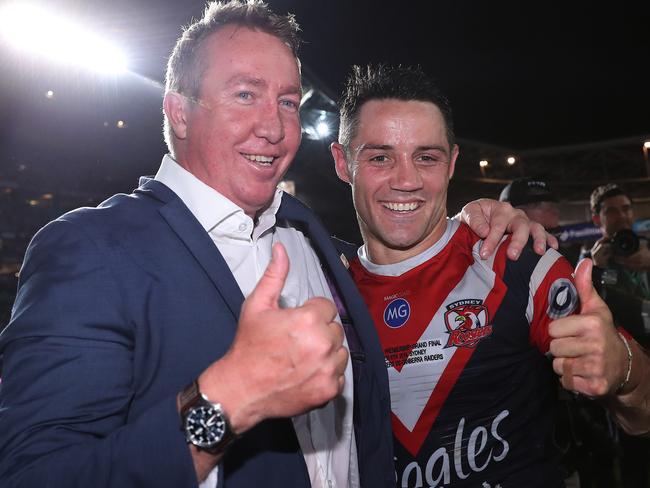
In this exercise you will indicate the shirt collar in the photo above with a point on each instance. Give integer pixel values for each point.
(397, 269)
(214, 211)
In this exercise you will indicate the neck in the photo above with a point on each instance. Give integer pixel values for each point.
(381, 252)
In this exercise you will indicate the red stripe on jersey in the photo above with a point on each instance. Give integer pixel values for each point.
(539, 337)
(445, 282)
(412, 441)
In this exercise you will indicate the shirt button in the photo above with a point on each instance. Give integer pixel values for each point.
(242, 227)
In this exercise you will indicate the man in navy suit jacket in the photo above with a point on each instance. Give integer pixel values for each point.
(132, 357)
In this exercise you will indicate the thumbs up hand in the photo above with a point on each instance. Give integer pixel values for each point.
(283, 361)
(590, 356)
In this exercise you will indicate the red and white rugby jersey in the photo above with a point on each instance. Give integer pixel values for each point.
(465, 339)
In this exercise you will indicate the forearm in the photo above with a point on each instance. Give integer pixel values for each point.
(631, 408)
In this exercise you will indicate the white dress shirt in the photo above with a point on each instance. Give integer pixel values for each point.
(326, 435)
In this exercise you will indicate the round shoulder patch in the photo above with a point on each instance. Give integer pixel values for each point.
(562, 298)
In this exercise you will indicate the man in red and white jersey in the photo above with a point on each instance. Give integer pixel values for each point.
(465, 339)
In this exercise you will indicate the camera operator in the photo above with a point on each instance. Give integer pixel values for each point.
(585, 433)
(622, 259)
(621, 275)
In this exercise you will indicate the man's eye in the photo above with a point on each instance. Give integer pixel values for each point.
(246, 96)
(379, 158)
(429, 158)
(290, 104)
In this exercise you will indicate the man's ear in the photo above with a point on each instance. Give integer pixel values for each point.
(175, 107)
(452, 161)
(340, 162)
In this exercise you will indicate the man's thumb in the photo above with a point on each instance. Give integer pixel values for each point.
(586, 291)
(267, 291)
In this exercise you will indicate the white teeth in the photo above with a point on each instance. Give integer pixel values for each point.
(259, 159)
(401, 207)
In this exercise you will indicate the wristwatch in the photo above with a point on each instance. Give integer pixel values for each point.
(205, 423)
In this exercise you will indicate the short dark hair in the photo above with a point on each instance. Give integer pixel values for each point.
(185, 67)
(604, 192)
(381, 82)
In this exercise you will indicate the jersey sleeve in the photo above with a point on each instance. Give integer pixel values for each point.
(552, 295)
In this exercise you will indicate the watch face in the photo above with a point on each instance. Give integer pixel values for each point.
(205, 426)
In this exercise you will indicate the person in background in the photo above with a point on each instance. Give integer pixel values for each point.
(621, 274)
(582, 429)
(622, 258)
(602, 362)
(464, 340)
(535, 198)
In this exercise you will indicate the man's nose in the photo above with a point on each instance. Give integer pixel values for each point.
(269, 123)
(406, 176)
(621, 213)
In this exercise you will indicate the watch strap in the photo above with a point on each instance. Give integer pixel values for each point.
(190, 396)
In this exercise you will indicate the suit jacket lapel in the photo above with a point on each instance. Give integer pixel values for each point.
(197, 241)
(292, 210)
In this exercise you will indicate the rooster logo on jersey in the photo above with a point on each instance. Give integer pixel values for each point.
(467, 323)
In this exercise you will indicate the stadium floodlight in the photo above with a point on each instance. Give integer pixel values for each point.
(33, 29)
(323, 130)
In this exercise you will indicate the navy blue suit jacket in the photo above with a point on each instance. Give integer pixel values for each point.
(118, 308)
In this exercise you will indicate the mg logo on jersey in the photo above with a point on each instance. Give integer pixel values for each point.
(397, 313)
(467, 323)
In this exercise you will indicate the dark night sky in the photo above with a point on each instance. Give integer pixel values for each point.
(519, 74)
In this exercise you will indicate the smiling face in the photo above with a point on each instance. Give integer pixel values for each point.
(243, 131)
(399, 164)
